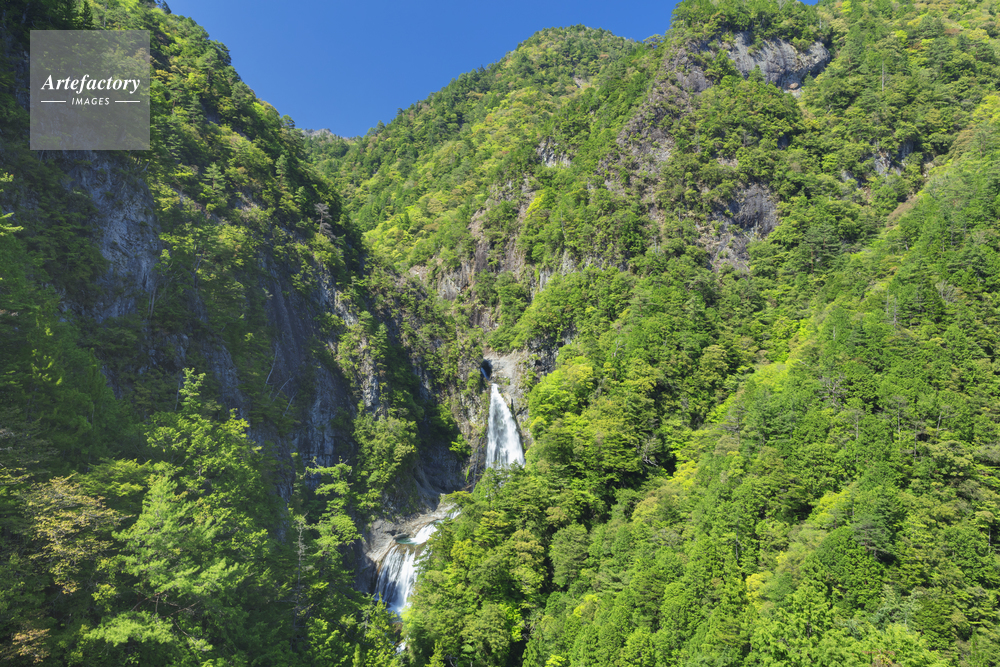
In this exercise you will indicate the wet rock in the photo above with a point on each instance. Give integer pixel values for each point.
(382, 534)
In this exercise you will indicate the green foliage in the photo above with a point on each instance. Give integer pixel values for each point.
(763, 465)
(766, 18)
(755, 446)
(388, 446)
(139, 522)
(413, 183)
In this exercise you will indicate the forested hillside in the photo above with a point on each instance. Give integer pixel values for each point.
(206, 391)
(737, 283)
(765, 247)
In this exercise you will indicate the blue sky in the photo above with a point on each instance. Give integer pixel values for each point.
(345, 66)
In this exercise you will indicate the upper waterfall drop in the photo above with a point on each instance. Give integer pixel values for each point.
(503, 444)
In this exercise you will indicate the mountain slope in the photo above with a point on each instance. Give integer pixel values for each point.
(736, 282)
(741, 291)
(208, 391)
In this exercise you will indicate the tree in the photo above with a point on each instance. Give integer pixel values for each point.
(185, 590)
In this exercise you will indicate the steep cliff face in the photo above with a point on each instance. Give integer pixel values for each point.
(751, 216)
(128, 232)
(670, 243)
(778, 60)
(679, 78)
(495, 236)
(169, 291)
(697, 270)
(643, 145)
(322, 400)
(646, 141)
(321, 396)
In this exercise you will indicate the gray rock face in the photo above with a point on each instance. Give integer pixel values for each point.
(678, 80)
(550, 156)
(681, 79)
(512, 371)
(128, 238)
(780, 62)
(382, 535)
(129, 234)
(752, 215)
(755, 211)
(886, 162)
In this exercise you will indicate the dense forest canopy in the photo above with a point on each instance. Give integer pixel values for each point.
(737, 282)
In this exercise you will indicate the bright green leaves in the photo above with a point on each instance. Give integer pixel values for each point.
(601, 441)
(417, 182)
(485, 572)
(172, 551)
(806, 633)
(528, 563)
(737, 134)
(72, 529)
(852, 576)
(378, 648)
(149, 640)
(388, 445)
(218, 464)
(172, 566)
(568, 553)
(490, 633)
(702, 18)
(587, 301)
(182, 566)
(740, 114)
(335, 528)
(560, 392)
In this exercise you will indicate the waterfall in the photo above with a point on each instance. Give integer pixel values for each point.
(398, 572)
(425, 533)
(397, 576)
(503, 444)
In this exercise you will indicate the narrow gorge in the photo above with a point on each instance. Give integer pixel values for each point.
(671, 352)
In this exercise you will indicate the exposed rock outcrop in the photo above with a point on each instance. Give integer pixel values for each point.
(550, 156)
(382, 535)
(129, 233)
(752, 215)
(779, 61)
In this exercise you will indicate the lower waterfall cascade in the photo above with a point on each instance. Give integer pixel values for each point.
(398, 572)
(503, 446)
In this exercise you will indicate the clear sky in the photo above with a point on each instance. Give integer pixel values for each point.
(346, 66)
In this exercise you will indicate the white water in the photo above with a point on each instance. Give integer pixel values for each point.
(398, 573)
(425, 533)
(397, 576)
(503, 444)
